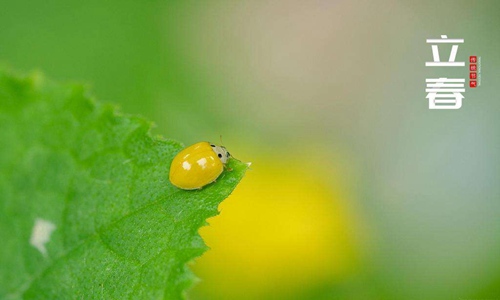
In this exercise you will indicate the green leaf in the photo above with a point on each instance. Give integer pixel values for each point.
(86, 207)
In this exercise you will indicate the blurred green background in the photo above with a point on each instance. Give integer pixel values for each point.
(357, 189)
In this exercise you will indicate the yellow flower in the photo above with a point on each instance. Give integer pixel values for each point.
(283, 231)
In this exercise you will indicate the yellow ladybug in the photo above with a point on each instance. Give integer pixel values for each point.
(198, 165)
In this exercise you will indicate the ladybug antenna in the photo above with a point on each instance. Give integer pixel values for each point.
(221, 143)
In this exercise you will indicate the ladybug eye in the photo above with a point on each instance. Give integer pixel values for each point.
(219, 155)
(228, 154)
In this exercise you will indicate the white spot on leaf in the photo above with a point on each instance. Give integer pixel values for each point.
(40, 235)
(186, 165)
